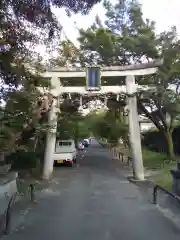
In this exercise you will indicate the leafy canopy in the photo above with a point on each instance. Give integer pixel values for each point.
(126, 38)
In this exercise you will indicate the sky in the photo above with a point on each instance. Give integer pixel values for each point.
(165, 13)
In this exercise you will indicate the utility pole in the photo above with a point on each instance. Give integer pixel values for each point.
(134, 129)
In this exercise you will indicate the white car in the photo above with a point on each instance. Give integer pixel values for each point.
(65, 152)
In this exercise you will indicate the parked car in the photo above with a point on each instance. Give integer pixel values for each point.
(65, 152)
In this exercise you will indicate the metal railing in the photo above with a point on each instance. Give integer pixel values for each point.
(32, 192)
(155, 195)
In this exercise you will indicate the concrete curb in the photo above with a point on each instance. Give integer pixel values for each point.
(145, 182)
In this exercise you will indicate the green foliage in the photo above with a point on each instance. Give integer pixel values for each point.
(20, 118)
(161, 163)
(37, 15)
(108, 127)
(100, 42)
(69, 107)
(155, 141)
(164, 178)
(126, 36)
(22, 160)
(131, 39)
(154, 160)
(23, 27)
(73, 127)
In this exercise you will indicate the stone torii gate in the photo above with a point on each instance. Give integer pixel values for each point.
(130, 87)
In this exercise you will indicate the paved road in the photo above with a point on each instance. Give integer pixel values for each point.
(93, 202)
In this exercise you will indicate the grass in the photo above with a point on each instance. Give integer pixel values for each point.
(164, 178)
(159, 163)
(154, 160)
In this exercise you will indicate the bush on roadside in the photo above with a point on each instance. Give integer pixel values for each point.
(155, 140)
(21, 160)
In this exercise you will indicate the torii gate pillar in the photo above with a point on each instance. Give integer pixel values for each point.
(134, 129)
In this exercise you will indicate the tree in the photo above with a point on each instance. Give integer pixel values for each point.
(29, 23)
(125, 38)
(163, 98)
(108, 127)
(26, 25)
(71, 123)
(131, 39)
(74, 127)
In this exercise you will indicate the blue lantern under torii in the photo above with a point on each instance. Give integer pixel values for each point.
(93, 78)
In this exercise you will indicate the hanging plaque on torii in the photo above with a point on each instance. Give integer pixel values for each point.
(93, 78)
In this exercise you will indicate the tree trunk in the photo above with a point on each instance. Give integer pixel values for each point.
(170, 145)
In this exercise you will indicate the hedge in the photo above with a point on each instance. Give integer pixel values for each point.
(155, 141)
(22, 160)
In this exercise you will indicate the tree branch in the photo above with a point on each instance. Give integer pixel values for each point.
(148, 114)
(162, 118)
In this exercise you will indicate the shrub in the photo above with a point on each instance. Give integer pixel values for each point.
(22, 160)
(155, 140)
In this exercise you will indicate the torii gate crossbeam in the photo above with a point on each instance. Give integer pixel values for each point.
(131, 87)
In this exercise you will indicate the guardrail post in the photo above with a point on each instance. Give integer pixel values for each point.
(32, 192)
(155, 190)
(155, 194)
